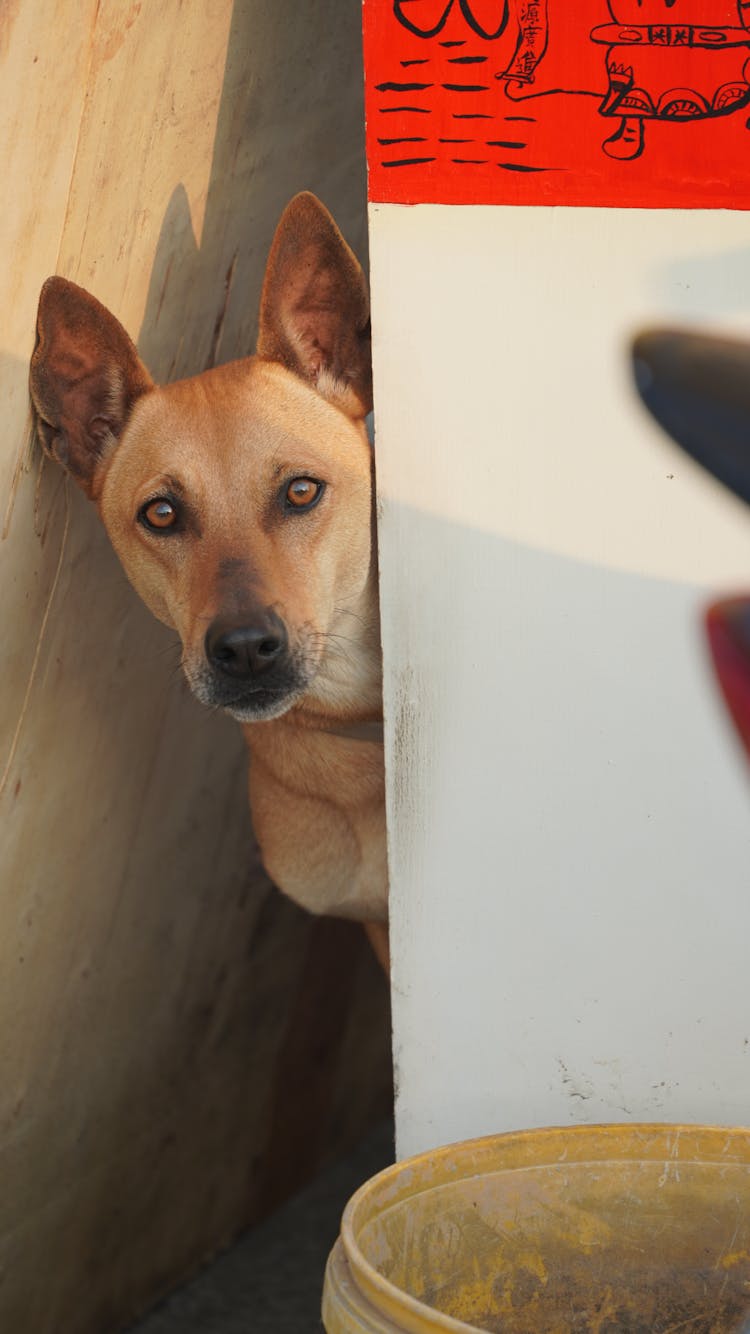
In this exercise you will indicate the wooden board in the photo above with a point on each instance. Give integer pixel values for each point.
(152, 984)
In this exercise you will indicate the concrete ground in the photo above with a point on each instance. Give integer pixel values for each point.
(271, 1281)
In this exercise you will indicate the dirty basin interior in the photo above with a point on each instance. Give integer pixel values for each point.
(606, 1229)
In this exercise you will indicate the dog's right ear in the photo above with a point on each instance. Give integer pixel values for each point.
(85, 377)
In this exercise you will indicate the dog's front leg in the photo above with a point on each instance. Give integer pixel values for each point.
(327, 856)
(377, 934)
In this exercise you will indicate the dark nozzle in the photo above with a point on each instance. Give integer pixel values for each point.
(698, 388)
(248, 650)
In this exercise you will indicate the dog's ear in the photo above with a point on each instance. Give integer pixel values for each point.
(315, 310)
(85, 377)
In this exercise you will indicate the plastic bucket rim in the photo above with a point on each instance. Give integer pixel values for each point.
(393, 1302)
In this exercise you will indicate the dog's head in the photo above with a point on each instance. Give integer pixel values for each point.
(239, 500)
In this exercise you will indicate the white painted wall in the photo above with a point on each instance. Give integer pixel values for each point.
(569, 817)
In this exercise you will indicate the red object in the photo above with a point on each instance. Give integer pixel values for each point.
(635, 103)
(728, 626)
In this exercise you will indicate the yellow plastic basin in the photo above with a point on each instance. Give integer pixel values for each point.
(626, 1229)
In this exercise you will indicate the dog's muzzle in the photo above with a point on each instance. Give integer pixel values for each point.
(248, 669)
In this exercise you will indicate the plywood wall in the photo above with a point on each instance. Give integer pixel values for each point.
(159, 1001)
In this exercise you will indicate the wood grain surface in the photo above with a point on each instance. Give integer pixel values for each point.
(160, 1004)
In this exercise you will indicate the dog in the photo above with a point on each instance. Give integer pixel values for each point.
(240, 504)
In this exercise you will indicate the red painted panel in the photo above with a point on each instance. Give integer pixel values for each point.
(639, 103)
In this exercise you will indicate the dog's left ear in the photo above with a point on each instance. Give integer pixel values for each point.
(315, 310)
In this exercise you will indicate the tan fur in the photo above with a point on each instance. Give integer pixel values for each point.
(225, 442)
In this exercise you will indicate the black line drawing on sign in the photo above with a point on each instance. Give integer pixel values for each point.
(424, 19)
(671, 60)
(630, 61)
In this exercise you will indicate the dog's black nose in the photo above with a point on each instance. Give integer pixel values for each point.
(246, 651)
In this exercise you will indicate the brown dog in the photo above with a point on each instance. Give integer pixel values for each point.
(240, 504)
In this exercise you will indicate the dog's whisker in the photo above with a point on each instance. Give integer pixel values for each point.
(349, 611)
(162, 652)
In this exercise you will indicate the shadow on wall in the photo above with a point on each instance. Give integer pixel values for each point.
(561, 754)
(278, 132)
(689, 287)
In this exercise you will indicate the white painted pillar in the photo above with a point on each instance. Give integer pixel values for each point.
(569, 816)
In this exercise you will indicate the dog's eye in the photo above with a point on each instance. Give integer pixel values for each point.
(159, 514)
(302, 493)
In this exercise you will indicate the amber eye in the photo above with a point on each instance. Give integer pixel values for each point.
(302, 493)
(159, 514)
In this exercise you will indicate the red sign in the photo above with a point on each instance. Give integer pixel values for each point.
(637, 103)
